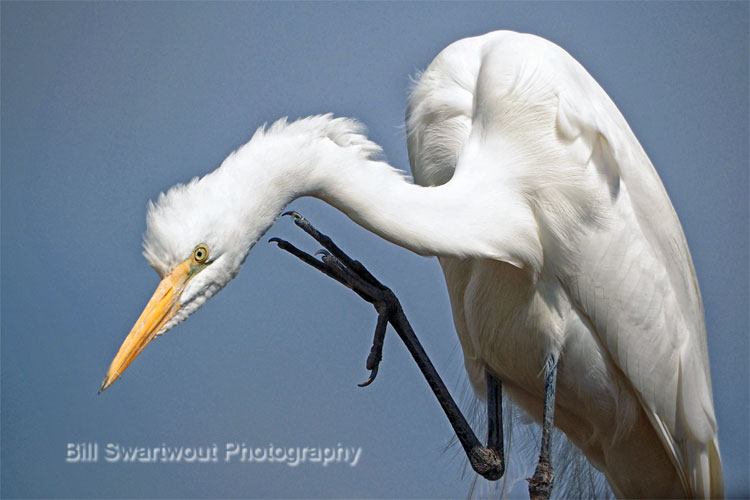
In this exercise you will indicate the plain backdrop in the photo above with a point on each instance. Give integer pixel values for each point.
(104, 105)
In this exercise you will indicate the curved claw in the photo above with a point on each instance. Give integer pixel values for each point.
(323, 253)
(276, 240)
(370, 379)
(292, 213)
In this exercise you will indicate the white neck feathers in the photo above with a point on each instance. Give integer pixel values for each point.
(330, 159)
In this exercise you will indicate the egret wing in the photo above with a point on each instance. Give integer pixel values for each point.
(636, 283)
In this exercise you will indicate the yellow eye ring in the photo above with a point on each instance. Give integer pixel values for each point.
(200, 254)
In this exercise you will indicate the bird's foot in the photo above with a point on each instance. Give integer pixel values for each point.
(352, 274)
(376, 351)
(540, 485)
(487, 461)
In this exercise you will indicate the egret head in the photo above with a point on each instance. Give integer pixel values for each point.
(195, 241)
(199, 234)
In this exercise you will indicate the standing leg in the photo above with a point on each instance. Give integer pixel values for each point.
(540, 486)
(494, 414)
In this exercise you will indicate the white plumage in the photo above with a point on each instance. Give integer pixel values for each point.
(553, 229)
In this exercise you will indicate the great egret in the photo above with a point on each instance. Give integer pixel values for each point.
(561, 250)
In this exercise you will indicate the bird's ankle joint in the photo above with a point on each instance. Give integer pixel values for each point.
(540, 486)
(487, 462)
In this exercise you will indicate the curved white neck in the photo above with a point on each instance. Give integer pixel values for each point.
(330, 160)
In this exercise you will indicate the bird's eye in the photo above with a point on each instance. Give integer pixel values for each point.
(200, 254)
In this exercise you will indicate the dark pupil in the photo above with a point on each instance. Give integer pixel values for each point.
(199, 254)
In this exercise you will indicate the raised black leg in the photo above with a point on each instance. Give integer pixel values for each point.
(486, 461)
(540, 485)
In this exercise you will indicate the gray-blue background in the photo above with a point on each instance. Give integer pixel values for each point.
(106, 104)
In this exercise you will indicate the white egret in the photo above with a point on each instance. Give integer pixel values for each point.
(561, 251)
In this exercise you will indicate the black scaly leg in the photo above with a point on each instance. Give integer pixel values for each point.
(494, 414)
(540, 486)
(486, 461)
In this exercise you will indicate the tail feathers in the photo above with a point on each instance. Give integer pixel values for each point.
(702, 466)
(717, 471)
(698, 464)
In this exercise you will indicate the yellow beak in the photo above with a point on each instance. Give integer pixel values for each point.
(159, 310)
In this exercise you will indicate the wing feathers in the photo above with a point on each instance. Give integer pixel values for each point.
(651, 317)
